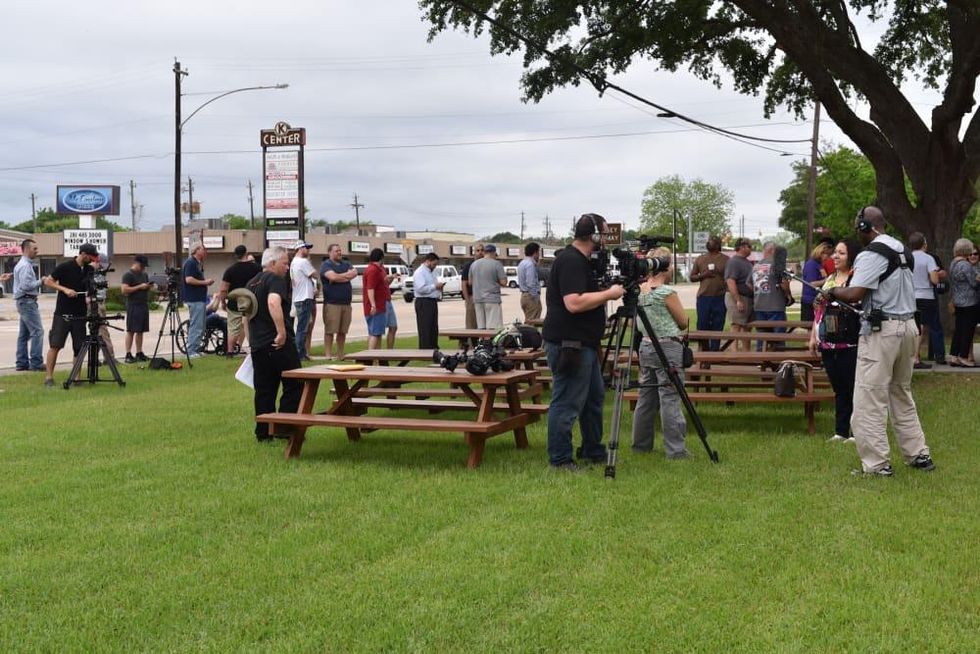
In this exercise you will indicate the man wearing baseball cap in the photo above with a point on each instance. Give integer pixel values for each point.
(68, 279)
(303, 276)
(738, 282)
(136, 288)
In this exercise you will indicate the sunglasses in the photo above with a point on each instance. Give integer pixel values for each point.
(975, 254)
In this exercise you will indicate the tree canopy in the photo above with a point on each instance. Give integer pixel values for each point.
(710, 206)
(48, 222)
(502, 237)
(791, 51)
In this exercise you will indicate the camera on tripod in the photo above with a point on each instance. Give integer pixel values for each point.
(633, 265)
(97, 284)
(168, 283)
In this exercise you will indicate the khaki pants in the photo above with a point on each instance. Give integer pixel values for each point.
(531, 306)
(883, 388)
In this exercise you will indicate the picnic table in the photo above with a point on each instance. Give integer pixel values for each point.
(349, 410)
(746, 370)
(468, 334)
(788, 325)
(771, 339)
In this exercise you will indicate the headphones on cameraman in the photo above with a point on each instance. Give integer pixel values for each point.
(863, 224)
(596, 235)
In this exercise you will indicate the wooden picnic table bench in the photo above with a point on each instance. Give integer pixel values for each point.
(771, 339)
(349, 411)
(777, 324)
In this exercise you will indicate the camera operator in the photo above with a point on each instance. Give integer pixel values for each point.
(273, 344)
(70, 280)
(663, 307)
(136, 287)
(195, 294)
(886, 347)
(573, 329)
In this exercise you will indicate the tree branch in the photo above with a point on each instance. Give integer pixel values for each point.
(961, 82)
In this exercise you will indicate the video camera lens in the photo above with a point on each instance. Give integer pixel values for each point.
(447, 361)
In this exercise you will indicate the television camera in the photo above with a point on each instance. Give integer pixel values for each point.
(97, 284)
(491, 353)
(633, 265)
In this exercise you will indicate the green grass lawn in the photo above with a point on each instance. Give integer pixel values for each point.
(148, 518)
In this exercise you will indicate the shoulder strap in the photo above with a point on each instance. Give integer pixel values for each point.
(895, 259)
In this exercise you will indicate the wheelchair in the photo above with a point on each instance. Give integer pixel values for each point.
(213, 341)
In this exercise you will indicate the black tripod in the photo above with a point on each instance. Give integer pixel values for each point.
(171, 319)
(622, 321)
(91, 347)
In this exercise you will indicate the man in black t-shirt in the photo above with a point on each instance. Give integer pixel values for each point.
(236, 276)
(272, 340)
(136, 288)
(69, 280)
(572, 335)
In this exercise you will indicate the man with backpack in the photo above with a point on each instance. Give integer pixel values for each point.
(886, 348)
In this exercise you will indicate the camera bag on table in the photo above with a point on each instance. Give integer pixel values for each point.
(784, 384)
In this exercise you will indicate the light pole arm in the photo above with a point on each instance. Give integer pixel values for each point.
(227, 93)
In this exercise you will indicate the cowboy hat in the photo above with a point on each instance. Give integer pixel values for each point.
(243, 301)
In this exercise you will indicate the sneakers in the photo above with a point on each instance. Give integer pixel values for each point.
(142, 358)
(920, 365)
(880, 472)
(923, 462)
(130, 358)
(837, 438)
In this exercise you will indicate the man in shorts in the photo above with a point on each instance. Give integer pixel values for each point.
(378, 309)
(335, 276)
(136, 288)
(236, 276)
(738, 299)
(69, 279)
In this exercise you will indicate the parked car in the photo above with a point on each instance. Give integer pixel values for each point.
(444, 273)
(397, 283)
(511, 272)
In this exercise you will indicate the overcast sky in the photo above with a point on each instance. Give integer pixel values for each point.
(94, 80)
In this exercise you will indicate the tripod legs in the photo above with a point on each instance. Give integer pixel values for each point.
(93, 345)
(171, 317)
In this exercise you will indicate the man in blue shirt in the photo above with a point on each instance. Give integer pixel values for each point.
(529, 283)
(335, 276)
(428, 290)
(26, 288)
(194, 290)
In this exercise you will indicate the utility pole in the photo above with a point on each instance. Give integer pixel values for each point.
(357, 213)
(674, 234)
(178, 237)
(811, 195)
(132, 202)
(741, 227)
(251, 205)
(34, 212)
(547, 226)
(522, 227)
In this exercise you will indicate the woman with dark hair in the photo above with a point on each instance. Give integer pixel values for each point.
(835, 336)
(813, 272)
(965, 294)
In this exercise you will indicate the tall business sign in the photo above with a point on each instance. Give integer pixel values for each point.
(282, 189)
(87, 200)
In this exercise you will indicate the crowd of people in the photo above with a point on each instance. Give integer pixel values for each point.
(873, 303)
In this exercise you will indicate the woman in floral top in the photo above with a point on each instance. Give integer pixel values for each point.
(662, 306)
(839, 358)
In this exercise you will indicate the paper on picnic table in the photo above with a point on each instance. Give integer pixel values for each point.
(345, 367)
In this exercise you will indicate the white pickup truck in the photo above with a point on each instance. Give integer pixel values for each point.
(444, 273)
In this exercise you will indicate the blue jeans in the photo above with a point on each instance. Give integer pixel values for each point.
(769, 315)
(195, 328)
(303, 311)
(575, 395)
(711, 317)
(32, 332)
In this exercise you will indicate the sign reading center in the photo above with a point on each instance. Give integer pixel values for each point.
(282, 187)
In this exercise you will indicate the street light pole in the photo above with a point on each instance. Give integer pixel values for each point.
(178, 131)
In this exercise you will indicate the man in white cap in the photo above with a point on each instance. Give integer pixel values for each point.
(303, 277)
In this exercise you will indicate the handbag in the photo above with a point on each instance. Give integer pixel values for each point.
(687, 356)
(784, 384)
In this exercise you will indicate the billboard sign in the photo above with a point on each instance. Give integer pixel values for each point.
(282, 134)
(86, 200)
(359, 246)
(425, 248)
(547, 253)
(513, 252)
(75, 238)
(282, 180)
(457, 249)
